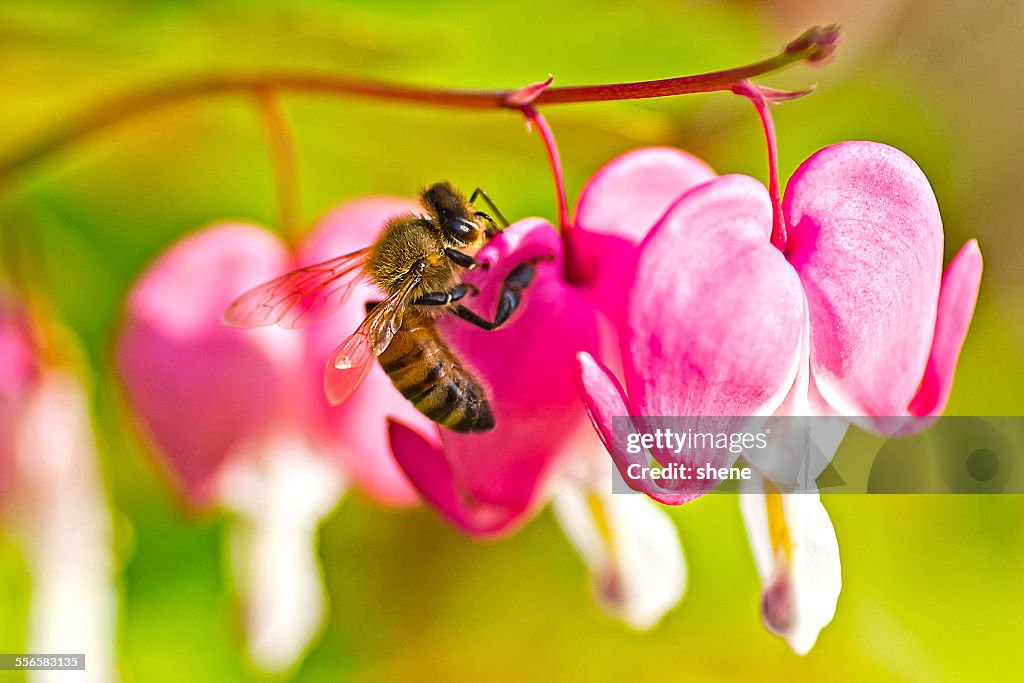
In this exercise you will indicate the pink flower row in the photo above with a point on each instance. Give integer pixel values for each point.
(701, 315)
(665, 297)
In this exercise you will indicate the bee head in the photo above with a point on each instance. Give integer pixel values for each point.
(453, 214)
(461, 231)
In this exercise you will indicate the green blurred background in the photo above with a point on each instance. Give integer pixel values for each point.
(932, 584)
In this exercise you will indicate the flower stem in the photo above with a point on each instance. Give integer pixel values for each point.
(554, 159)
(814, 46)
(284, 162)
(27, 279)
(758, 97)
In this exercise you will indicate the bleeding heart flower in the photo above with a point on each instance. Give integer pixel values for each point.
(239, 417)
(852, 319)
(714, 315)
(487, 483)
(51, 495)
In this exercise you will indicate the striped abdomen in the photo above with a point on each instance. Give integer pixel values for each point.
(427, 373)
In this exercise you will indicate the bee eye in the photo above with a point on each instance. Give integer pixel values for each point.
(462, 230)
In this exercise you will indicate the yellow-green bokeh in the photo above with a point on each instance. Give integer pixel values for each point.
(932, 584)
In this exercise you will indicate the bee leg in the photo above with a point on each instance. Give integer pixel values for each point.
(464, 260)
(518, 279)
(492, 231)
(479, 192)
(442, 298)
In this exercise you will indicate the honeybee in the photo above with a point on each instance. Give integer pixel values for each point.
(416, 262)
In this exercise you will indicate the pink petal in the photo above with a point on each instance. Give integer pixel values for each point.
(528, 367)
(866, 239)
(628, 195)
(957, 298)
(714, 319)
(201, 389)
(357, 429)
(715, 312)
(617, 208)
(427, 467)
(605, 400)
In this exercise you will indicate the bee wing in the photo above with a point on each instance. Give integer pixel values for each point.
(352, 360)
(301, 297)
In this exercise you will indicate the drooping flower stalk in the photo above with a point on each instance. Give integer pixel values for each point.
(759, 98)
(284, 162)
(51, 489)
(813, 46)
(554, 159)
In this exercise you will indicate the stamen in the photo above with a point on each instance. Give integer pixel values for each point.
(601, 521)
(777, 599)
(778, 529)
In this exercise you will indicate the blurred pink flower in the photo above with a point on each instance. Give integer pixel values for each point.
(713, 320)
(207, 392)
(51, 493)
(488, 483)
(239, 418)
